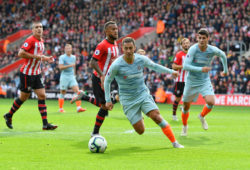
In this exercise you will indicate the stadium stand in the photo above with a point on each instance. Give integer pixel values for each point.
(81, 23)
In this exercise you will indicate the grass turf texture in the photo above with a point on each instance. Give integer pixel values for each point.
(224, 146)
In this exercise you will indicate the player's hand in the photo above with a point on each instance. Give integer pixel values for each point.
(206, 69)
(223, 74)
(109, 105)
(175, 74)
(102, 81)
(50, 59)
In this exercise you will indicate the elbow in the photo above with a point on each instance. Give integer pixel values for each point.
(20, 54)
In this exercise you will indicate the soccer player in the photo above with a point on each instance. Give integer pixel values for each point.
(180, 80)
(30, 75)
(134, 94)
(197, 63)
(67, 79)
(105, 53)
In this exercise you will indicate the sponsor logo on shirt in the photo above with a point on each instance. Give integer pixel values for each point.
(125, 77)
(139, 67)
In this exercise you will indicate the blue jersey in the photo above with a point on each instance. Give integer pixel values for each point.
(67, 60)
(196, 59)
(129, 78)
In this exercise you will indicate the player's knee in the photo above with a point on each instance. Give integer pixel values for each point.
(41, 97)
(210, 103)
(140, 131)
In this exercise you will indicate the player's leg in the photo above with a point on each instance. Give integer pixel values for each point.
(179, 87)
(61, 101)
(103, 112)
(25, 94)
(208, 94)
(37, 85)
(149, 107)
(190, 94)
(43, 109)
(165, 127)
(75, 88)
(134, 115)
(82, 96)
(15, 106)
(64, 84)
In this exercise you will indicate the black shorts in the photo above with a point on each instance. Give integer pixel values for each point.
(179, 88)
(27, 83)
(97, 89)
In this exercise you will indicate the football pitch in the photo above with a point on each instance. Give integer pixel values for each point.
(225, 145)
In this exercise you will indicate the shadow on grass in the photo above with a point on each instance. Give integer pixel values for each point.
(197, 141)
(121, 151)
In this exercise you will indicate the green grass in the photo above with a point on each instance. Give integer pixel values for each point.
(224, 146)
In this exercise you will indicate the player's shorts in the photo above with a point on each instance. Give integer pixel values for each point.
(179, 88)
(27, 82)
(97, 89)
(191, 93)
(67, 82)
(133, 112)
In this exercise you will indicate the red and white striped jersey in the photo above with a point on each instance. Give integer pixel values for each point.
(105, 53)
(31, 65)
(179, 60)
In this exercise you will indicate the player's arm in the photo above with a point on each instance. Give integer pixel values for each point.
(61, 65)
(99, 52)
(176, 66)
(108, 79)
(223, 59)
(94, 65)
(158, 68)
(23, 54)
(188, 60)
(177, 60)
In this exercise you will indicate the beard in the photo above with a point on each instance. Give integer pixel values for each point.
(113, 37)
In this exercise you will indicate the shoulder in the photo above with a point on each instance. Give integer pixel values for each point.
(30, 39)
(193, 48)
(180, 53)
(213, 48)
(62, 56)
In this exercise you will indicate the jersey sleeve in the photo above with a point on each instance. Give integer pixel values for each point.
(177, 59)
(27, 45)
(113, 69)
(61, 60)
(223, 58)
(99, 51)
(156, 67)
(188, 60)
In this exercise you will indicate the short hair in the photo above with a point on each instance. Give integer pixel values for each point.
(139, 51)
(203, 31)
(128, 40)
(108, 23)
(68, 44)
(34, 23)
(184, 39)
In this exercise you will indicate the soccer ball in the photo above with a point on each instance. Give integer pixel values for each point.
(97, 144)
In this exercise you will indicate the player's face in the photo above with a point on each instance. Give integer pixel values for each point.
(202, 40)
(112, 31)
(128, 49)
(185, 45)
(37, 29)
(68, 49)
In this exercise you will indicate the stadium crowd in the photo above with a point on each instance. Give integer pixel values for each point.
(81, 24)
